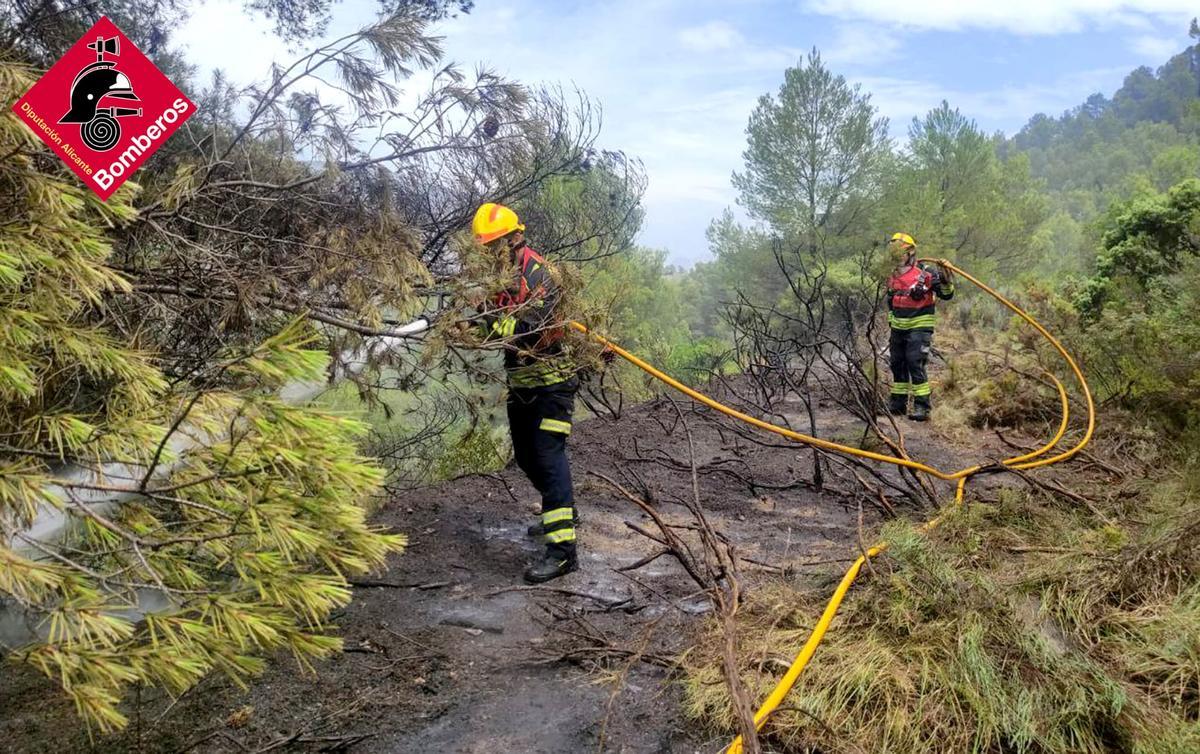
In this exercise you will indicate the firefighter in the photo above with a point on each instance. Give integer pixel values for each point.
(912, 291)
(541, 384)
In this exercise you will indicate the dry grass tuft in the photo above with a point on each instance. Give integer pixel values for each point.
(1015, 627)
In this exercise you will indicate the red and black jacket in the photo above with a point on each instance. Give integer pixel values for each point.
(912, 293)
(535, 357)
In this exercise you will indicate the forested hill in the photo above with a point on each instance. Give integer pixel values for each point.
(1146, 135)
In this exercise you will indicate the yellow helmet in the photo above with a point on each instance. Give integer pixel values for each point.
(905, 239)
(494, 221)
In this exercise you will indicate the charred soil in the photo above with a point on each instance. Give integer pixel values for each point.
(447, 651)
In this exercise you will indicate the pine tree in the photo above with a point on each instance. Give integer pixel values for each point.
(240, 513)
(814, 155)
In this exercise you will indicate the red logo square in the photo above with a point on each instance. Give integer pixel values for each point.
(104, 108)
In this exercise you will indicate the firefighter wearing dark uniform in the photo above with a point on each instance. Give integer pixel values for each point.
(912, 292)
(541, 385)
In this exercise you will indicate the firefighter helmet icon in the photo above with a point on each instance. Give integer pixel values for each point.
(93, 85)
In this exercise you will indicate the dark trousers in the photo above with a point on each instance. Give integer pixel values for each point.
(539, 420)
(909, 360)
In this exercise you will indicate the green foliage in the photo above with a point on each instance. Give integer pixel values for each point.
(1096, 153)
(952, 150)
(64, 382)
(476, 451)
(1146, 240)
(297, 20)
(814, 154)
(44, 29)
(1057, 244)
(240, 514)
(695, 362)
(1138, 330)
(1007, 400)
(1024, 625)
(743, 260)
(959, 199)
(644, 304)
(591, 211)
(647, 310)
(950, 189)
(1174, 164)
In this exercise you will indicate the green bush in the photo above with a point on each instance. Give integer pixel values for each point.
(475, 451)
(1139, 330)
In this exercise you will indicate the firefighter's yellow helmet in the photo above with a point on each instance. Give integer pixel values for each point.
(494, 221)
(906, 240)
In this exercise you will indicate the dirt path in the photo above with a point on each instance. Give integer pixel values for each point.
(458, 660)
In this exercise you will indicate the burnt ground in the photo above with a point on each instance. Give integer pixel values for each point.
(452, 658)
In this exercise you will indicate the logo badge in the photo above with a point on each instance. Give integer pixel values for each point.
(104, 108)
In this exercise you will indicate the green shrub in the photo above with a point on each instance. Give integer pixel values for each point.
(475, 451)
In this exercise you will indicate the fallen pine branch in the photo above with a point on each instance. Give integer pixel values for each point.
(608, 601)
(422, 586)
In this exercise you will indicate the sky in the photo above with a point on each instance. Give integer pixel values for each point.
(678, 79)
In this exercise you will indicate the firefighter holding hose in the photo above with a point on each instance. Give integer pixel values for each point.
(913, 290)
(542, 383)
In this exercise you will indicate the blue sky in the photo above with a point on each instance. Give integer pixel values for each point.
(677, 79)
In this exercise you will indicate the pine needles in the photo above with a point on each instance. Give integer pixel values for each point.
(241, 515)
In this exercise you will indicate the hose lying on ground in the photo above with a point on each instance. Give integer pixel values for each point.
(1030, 460)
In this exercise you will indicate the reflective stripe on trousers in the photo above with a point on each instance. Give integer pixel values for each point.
(558, 525)
(539, 421)
(909, 359)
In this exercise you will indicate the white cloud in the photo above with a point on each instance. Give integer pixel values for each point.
(710, 37)
(770, 59)
(858, 44)
(1018, 16)
(244, 50)
(684, 118)
(1156, 50)
(1005, 108)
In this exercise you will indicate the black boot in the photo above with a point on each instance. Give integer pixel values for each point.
(920, 412)
(537, 530)
(550, 566)
(898, 406)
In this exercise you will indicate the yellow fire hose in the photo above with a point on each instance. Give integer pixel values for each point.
(1030, 460)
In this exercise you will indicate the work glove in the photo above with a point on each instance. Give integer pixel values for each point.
(504, 327)
(944, 270)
